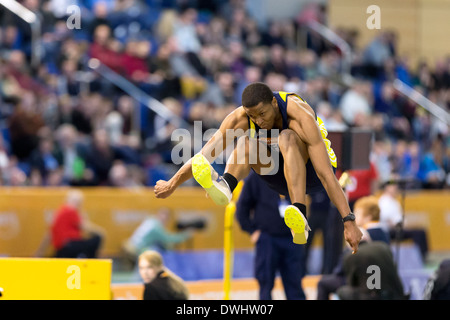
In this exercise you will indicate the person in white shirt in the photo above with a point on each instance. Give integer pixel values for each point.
(390, 209)
(391, 218)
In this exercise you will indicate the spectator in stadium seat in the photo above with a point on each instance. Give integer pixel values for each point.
(122, 176)
(24, 124)
(100, 156)
(72, 234)
(355, 103)
(104, 50)
(45, 158)
(391, 218)
(159, 282)
(67, 141)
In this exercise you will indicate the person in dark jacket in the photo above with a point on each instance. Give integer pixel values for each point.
(438, 286)
(367, 214)
(258, 213)
(159, 282)
(371, 274)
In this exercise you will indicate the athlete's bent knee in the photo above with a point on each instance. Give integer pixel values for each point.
(287, 138)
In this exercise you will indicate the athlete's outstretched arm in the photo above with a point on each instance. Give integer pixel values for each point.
(211, 150)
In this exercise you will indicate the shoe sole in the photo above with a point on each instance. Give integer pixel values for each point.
(297, 223)
(201, 170)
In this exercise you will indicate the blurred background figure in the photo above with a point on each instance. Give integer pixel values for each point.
(391, 219)
(356, 267)
(367, 213)
(159, 282)
(153, 234)
(438, 285)
(72, 234)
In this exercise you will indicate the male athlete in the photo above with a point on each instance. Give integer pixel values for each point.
(303, 161)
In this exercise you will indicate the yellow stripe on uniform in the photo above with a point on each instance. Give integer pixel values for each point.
(324, 134)
(252, 129)
(284, 95)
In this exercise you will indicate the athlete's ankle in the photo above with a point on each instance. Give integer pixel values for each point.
(301, 207)
(230, 180)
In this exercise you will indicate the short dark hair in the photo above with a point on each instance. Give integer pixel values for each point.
(255, 93)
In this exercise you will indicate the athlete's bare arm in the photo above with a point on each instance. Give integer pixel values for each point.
(211, 150)
(302, 120)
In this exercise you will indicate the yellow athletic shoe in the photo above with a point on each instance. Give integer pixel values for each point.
(216, 187)
(298, 224)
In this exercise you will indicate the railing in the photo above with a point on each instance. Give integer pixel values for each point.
(421, 100)
(340, 43)
(145, 99)
(35, 24)
(137, 93)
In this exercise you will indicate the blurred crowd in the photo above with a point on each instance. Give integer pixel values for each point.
(63, 124)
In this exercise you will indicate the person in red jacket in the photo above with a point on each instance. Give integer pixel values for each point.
(69, 227)
(71, 234)
(363, 183)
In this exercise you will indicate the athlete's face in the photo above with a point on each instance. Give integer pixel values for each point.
(263, 115)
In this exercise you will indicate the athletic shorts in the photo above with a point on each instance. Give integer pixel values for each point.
(277, 180)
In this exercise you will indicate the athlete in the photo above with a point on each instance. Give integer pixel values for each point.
(299, 158)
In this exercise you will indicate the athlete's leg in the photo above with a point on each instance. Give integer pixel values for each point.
(249, 154)
(238, 167)
(238, 164)
(295, 157)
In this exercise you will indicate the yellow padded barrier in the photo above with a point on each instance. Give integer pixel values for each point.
(55, 279)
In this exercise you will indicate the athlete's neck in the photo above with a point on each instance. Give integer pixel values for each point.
(278, 123)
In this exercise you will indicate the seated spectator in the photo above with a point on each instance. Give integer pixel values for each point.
(366, 210)
(4, 158)
(72, 234)
(134, 60)
(99, 157)
(45, 158)
(391, 219)
(104, 48)
(71, 162)
(388, 285)
(24, 124)
(367, 214)
(438, 285)
(355, 104)
(160, 283)
(122, 176)
(431, 171)
(363, 182)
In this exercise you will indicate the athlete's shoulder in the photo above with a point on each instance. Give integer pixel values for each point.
(284, 95)
(298, 108)
(236, 119)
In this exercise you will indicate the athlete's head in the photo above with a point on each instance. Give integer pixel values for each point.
(260, 104)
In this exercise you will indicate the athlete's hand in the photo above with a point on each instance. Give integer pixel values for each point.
(163, 189)
(352, 235)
